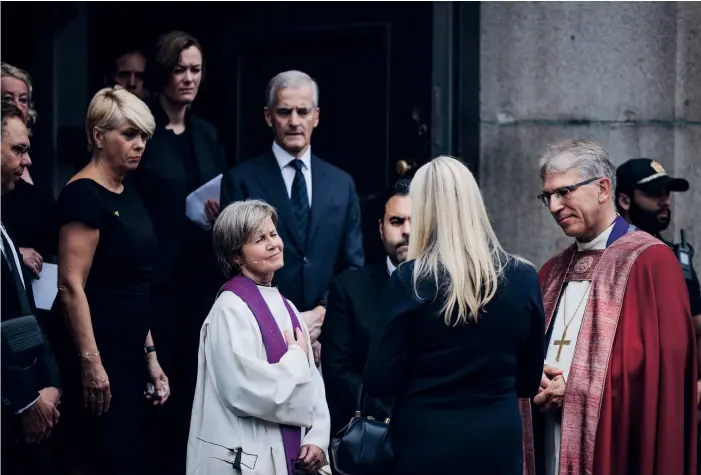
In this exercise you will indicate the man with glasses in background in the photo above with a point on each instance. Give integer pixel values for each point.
(619, 389)
(30, 379)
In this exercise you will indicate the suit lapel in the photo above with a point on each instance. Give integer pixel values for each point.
(272, 183)
(321, 190)
(380, 274)
(372, 290)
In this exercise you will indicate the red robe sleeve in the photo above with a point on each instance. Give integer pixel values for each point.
(648, 419)
(545, 270)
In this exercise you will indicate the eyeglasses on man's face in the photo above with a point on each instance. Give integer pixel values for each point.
(20, 149)
(564, 193)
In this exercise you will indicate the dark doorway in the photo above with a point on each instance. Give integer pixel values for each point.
(372, 62)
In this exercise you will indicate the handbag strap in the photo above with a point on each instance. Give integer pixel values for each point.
(361, 399)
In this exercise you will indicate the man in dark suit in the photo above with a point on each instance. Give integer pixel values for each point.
(30, 394)
(319, 212)
(354, 297)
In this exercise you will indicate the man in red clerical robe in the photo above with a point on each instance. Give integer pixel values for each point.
(618, 394)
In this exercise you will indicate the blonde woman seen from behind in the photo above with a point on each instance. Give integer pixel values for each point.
(459, 337)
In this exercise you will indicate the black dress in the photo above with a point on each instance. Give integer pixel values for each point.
(456, 389)
(186, 274)
(118, 293)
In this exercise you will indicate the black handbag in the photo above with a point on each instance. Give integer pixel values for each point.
(362, 447)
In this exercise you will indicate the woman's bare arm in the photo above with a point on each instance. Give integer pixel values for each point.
(77, 244)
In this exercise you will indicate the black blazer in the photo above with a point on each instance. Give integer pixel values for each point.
(354, 297)
(334, 241)
(456, 388)
(21, 379)
(162, 183)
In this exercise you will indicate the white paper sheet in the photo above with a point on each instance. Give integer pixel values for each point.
(46, 287)
(194, 203)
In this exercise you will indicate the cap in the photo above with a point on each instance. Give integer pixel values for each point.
(648, 176)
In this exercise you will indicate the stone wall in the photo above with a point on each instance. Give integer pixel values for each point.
(625, 74)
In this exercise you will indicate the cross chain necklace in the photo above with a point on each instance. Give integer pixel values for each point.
(561, 342)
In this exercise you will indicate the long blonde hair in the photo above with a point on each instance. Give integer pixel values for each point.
(451, 233)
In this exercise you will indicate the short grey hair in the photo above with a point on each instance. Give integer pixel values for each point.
(235, 226)
(290, 79)
(586, 156)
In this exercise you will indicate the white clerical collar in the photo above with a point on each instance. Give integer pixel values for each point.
(269, 289)
(390, 267)
(598, 243)
(284, 158)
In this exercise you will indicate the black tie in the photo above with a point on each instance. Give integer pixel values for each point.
(21, 292)
(300, 200)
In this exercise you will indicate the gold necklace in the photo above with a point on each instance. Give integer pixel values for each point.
(562, 342)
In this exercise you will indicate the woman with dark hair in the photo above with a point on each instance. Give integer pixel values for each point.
(184, 153)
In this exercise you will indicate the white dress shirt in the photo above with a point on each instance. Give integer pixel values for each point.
(12, 251)
(390, 267)
(284, 160)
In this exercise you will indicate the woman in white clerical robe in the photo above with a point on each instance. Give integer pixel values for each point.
(260, 405)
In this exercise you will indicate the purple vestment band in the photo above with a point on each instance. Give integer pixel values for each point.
(275, 348)
(620, 229)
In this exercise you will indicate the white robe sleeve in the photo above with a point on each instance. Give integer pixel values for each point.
(320, 431)
(248, 386)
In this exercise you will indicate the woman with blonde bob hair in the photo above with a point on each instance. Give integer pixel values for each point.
(106, 251)
(459, 337)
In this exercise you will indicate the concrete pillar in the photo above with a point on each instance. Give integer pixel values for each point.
(626, 74)
(687, 136)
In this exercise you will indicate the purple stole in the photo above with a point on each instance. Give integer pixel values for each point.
(275, 348)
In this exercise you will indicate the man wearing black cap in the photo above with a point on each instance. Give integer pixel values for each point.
(642, 198)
